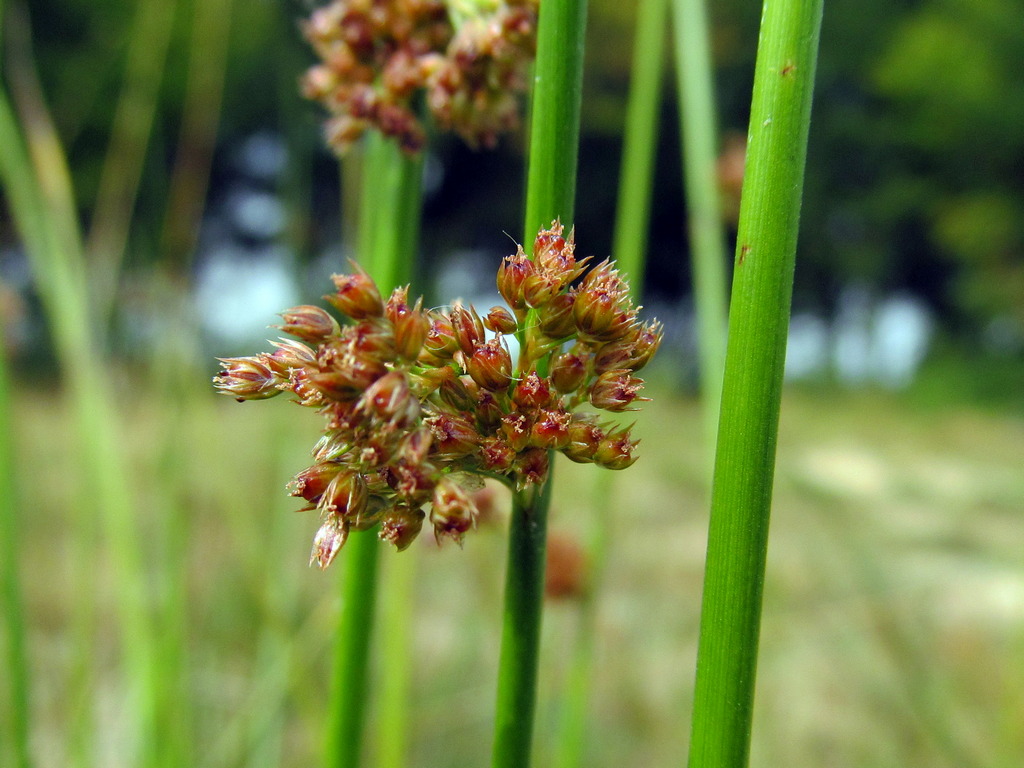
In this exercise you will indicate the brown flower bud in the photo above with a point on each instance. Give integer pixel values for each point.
(555, 256)
(491, 366)
(411, 329)
(452, 512)
(584, 437)
(557, 320)
(454, 436)
(309, 323)
(497, 455)
(516, 427)
(348, 381)
(488, 411)
(246, 378)
(531, 467)
(647, 342)
(500, 320)
(328, 541)
(311, 482)
(550, 430)
(454, 392)
(357, 295)
(468, 329)
(400, 525)
(390, 400)
(540, 288)
(532, 392)
(512, 276)
(568, 372)
(615, 450)
(289, 354)
(441, 341)
(345, 496)
(615, 390)
(614, 355)
(370, 338)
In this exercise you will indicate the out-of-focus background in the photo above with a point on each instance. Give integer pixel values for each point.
(894, 618)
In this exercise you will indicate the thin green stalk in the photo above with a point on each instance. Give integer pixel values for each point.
(132, 126)
(636, 175)
(630, 253)
(707, 236)
(391, 218)
(396, 671)
(17, 698)
(207, 66)
(34, 195)
(550, 194)
(758, 324)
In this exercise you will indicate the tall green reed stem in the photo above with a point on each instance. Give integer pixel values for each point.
(12, 610)
(40, 198)
(630, 252)
(550, 194)
(707, 238)
(389, 224)
(758, 324)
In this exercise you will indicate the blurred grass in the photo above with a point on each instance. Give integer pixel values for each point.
(894, 603)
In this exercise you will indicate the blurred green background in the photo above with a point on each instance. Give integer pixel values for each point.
(894, 619)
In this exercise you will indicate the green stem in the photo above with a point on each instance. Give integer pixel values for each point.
(389, 230)
(745, 459)
(352, 651)
(641, 133)
(707, 237)
(550, 194)
(520, 635)
(630, 254)
(10, 590)
(555, 119)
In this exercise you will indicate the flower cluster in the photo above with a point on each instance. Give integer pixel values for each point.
(377, 55)
(421, 404)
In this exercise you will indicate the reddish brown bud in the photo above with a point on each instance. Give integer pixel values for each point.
(531, 468)
(516, 427)
(400, 525)
(615, 451)
(345, 496)
(371, 338)
(491, 366)
(311, 482)
(540, 288)
(488, 411)
(647, 342)
(497, 455)
(568, 372)
(512, 276)
(555, 256)
(584, 437)
(500, 320)
(468, 329)
(415, 447)
(348, 381)
(453, 511)
(246, 378)
(557, 320)
(614, 355)
(455, 393)
(550, 430)
(441, 340)
(328, 541)
(453, 435)
(289, 354)
(532, 392)
(615, 390)
(390, 400)
(309, 323)
(411, 329)
(357, 295)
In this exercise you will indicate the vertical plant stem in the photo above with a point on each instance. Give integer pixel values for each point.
(13, 638)
(745, 459)
(636, 175)
(136, 110)
(707, 238)
(630, 253)
(550, 194)
(58, 272)
(207, 66)
(397, 608)
(390, 224)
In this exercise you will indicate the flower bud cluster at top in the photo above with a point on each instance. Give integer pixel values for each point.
(420, 404)
(378, 55)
